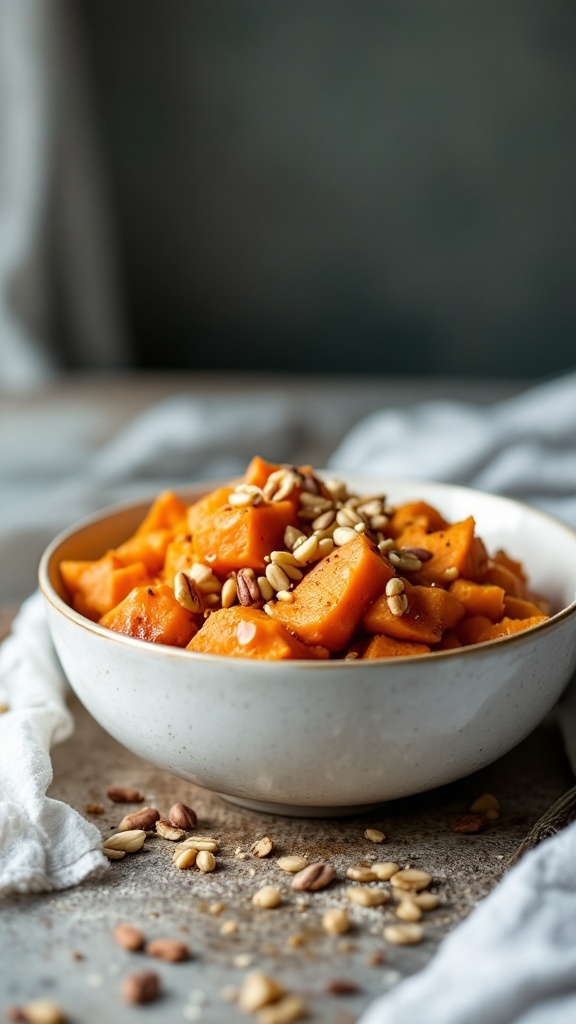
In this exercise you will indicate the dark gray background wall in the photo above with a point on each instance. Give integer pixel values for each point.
(343, 185)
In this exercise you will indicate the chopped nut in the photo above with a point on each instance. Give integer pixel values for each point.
(184, 859)
(142, 987)
(172, 950)
(94, 809)
(113, 854)
(296, 940)
(425, 900)
(469, 824)
(258, 990)
(374, 835)
(365, 897)
(411, 880)
(408, 910)
(306, 550)
(404, 934)
(42, 1011)
(200, 843)
(124, 795)
(229, 592)
(336, 921)
(206, 861)
(384, 870)
(348, 517)
(127, 936)
(144, 819)
(216, 908)
(341, 987)
(183, 816)
(376, 958)
(167, 830)
(247, 588)
(343, 534)
(292, 863)
(314, 877)
(187, 593)
(262, 847)
(267, 897)
(288, 1010)
(228, 927)
(243, 960)
(359, 873)
(129, 841)
(486, 802)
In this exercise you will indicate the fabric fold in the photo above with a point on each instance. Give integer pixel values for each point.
(44, 844)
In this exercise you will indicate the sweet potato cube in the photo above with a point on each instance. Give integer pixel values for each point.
(243, 632)
(501, 575)
(165, 513)
(258, 471)
(232, 538)
(455, 547)
(418, 514)
(330, 601)
(471, 629)
(152, 613)
(508, 626)
(501, 558)
(521, 608)
(479, 598)
(430, 611)
(389, 647)
(199, 511)
(149, 548)
(179, 555)
(449, 642)
(96, 587)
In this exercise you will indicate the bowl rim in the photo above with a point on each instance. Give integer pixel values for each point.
(202, 486)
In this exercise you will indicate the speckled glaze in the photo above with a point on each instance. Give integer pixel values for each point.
(313, 738)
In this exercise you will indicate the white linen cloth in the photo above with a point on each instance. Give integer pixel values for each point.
(44, 844)
(514, 959)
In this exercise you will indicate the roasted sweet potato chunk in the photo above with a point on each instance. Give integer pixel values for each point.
(390, 647)
(453, 549)
(250, 633)
(479, 598)
(152, 613)
(430, 611)
(332, 598)
(233, 538)
(96, 587)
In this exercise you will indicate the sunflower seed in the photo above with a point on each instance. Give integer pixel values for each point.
(342, 535)
(276, 577)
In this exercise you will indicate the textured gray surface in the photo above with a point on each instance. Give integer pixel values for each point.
(59, 945)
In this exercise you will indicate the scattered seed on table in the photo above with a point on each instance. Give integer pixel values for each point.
(374, 835)
(267, 897)
(404, 934)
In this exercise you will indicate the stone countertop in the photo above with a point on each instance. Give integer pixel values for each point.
(59, 945)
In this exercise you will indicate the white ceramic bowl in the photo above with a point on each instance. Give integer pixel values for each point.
(317, 738)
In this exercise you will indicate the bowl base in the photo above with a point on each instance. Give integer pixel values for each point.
(299, 810)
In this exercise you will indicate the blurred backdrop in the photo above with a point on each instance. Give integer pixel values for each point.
(343, 186)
